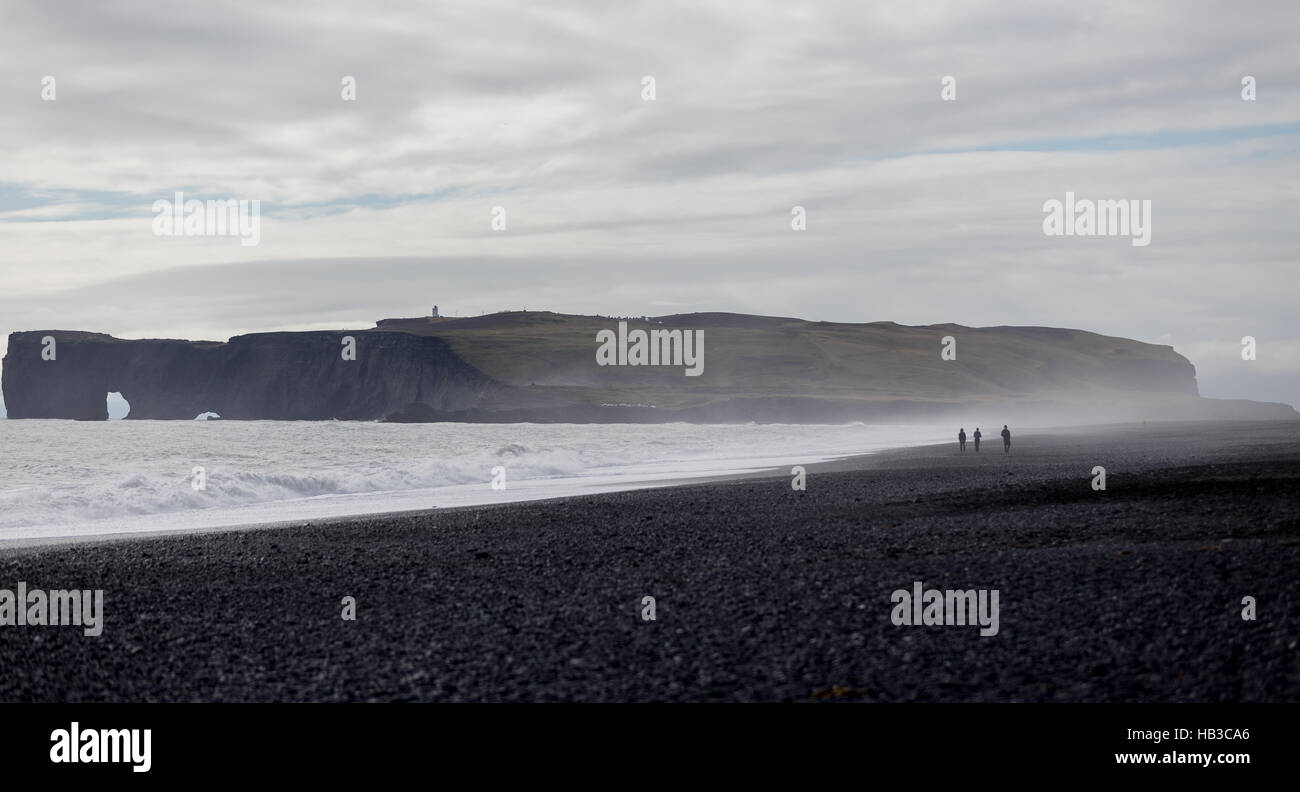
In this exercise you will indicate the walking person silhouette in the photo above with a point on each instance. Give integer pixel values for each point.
(977, 439)
(961, 439)
(1006, 439)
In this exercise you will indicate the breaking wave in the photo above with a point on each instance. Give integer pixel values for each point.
(78, 473)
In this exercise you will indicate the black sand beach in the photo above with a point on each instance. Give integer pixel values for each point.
(763, 593)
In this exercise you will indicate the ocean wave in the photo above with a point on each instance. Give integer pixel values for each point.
(71, 473)
(225, 485)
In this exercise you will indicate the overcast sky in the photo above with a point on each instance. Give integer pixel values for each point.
(919, 210)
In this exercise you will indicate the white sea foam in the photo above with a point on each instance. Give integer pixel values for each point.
(71, 478)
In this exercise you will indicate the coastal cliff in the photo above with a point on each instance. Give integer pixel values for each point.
(540, 366)
(276, 376)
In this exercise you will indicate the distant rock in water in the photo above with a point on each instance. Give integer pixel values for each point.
(541, 366)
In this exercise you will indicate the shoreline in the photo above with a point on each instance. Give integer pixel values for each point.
(846, 462)
(335, 507)
(18, 545)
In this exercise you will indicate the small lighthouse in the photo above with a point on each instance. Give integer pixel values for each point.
(435, 312)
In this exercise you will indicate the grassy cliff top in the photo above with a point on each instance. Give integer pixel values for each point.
(758, 356)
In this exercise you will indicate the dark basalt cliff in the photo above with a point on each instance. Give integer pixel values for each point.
(278, 376)
(541, 366)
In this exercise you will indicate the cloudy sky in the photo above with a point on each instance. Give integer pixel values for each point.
(919, 210)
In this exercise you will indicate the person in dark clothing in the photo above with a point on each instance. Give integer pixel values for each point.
(1006, 439)
(961, 439)
(977, 439)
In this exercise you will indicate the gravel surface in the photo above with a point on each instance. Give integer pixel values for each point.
(762, 592)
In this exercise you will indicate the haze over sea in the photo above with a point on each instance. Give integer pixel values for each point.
(74, 478)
